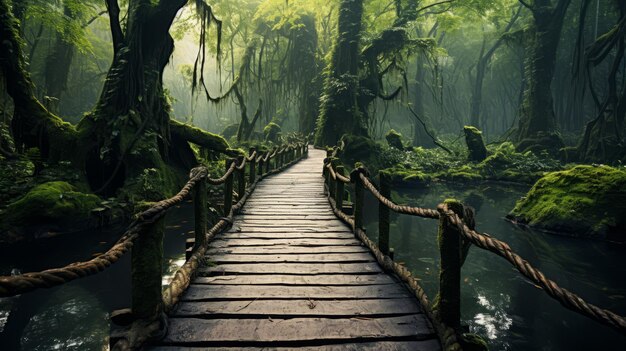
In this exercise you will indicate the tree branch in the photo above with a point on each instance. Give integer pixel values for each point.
(113, 9)
(433, 5)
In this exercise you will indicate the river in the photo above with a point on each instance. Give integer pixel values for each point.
(497, 302)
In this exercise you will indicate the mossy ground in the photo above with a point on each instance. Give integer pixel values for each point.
(585, 200)
(502, 164)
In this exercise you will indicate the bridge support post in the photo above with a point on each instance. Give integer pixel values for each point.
(452, 251)
(146, 272)
(261, 167)
(228, 190)
(241, 179)
(268, 164)
(339, 192)
(200, 209)
(383, 214)
(252, 167)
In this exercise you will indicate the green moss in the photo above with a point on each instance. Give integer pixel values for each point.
(475, 144)
(51, 203)
(464, 173)
(272, 132)
(587, 201)
(401, 176)
(473, 342)
(394, 139)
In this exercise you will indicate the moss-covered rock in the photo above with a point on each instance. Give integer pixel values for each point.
(394, 139)
(55, 205)
(361, 149)
(475, 144)
(272, 132)
(586, 201)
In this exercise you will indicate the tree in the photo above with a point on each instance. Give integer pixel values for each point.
(339, 112)
(484, 58)
(130, 129)
(537, 123)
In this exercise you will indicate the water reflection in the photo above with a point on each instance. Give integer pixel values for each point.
(75, 316)
(497, 302)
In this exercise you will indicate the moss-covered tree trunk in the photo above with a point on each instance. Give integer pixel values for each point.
(339, 113)
(537, 117)
(126, 141)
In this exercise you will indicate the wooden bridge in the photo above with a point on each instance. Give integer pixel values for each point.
(293, 268)
(290, 274)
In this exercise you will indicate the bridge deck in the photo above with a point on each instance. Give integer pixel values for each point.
(289, 275)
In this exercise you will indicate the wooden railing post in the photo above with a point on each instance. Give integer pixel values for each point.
(359, 200)
(268, 164)
(241, 179)
(332, 185)
(448, 300)
(340, 188)
(261, 168)
(252, 167)
(383, 214)
(146, 272)
(201, 210)
(228, 189)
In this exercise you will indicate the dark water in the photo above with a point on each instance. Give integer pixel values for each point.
(497, 302)
(75, 316)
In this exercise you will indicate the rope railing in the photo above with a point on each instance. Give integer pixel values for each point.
(456, 235)
(145, 236)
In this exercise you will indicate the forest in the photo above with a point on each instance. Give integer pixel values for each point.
(516, 108)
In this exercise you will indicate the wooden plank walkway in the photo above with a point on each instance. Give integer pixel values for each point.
(289, 275)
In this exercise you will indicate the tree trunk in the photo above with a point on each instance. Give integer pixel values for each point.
(537, 119)
(57, 67)
(339, 113)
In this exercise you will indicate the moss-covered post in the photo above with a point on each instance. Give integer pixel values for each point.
(201, 210)
(475, 144)
(269, 161)
(448, 301)
(261, 166)
(383, 214)
(359, 197)
(228, 190)
(146, 272)
(339, 192)
(241, 179)
(252, 167)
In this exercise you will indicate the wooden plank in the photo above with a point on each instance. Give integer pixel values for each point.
(290, 222)
(199, 292)
(289, 280)
(299, 308)
(301, 258)
(289, 217)
(424, 345)
(257, 228)
(287, 235)
(255, 331)
(285, 249)
(225, 242)
(292, 268)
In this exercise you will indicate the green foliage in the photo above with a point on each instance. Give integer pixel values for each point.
(50, 203)
(587, 201)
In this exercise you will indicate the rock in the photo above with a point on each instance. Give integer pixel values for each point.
(361, 149)
(542, 142)
(50, 206)
(230, 131)
(475, 144)
(394, 139)
(585, 201)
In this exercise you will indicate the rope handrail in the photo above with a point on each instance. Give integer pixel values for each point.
(337, 176)
(484, 241)
(26, 282)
